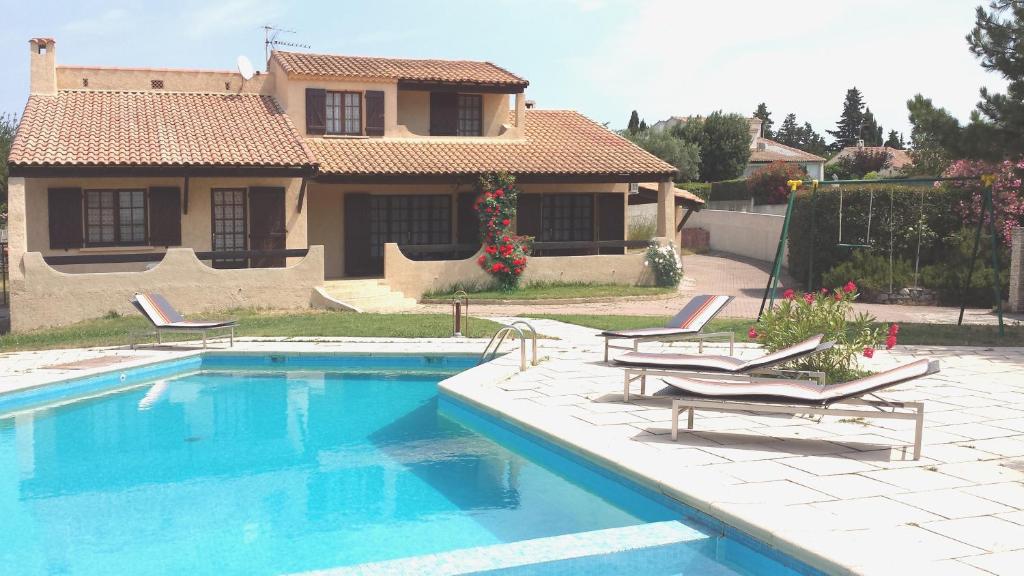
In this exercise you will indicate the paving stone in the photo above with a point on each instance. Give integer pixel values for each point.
(1008, 493)
(826, 466)
(952, 503)
(917, 479)
(876, 511)
(987, 472)
(987, 533)
(1002, 564)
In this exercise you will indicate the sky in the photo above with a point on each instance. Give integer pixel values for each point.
(601, 57)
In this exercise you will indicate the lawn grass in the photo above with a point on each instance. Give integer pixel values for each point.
(553, 291)
(910, 333)
(115, 331)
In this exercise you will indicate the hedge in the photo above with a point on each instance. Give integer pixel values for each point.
(728, 190)
(940, 223)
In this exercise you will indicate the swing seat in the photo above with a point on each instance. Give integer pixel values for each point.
(854, 245)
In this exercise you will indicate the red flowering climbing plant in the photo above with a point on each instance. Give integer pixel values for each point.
(505, 253)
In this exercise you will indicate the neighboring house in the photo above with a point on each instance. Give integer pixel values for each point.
(350, 153)
(898, 159)
(764, 151)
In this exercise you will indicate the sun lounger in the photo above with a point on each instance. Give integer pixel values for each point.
(798, 397)
(165, 318)
(638, 365)
(686, 325)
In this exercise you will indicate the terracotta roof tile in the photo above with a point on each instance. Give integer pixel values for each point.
(774, 151)
(897, 158)
(556, 142)
(157, 129)
(327, 65)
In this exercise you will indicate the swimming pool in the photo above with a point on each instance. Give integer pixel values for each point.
(269, 464)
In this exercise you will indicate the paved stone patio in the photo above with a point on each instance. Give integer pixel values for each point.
(843, 494)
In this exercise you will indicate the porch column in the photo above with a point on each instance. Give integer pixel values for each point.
(17, 231)
(666, 210)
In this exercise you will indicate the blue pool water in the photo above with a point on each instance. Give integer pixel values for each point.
(268, 465)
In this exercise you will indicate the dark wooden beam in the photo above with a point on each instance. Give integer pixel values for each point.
(479, 87)
(682, 221)
(302, 193)
(184, 204)
(471, 178)
(121, 258)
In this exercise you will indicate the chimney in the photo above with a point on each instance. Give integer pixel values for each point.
(42, 66)
(530, 104)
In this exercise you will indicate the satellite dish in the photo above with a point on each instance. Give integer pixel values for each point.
(245, 67)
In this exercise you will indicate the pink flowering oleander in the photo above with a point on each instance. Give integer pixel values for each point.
(1007, 195)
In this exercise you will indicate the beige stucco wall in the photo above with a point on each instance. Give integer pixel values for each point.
(743, 233)
(415, 278)
(196, 226)
(42, 296)
(140, 79)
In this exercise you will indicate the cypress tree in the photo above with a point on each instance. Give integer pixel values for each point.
(847, 130)
(766, 119)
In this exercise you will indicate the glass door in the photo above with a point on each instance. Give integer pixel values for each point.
(229, 226)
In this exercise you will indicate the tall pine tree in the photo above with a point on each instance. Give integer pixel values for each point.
(766, 120)
(811, 141)
(847, 130)
(634, 123)
(895, 140)
(870, 131)
(789, 132)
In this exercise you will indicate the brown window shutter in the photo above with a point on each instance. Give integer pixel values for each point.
(444, 113)
(374, 112)
(611, 220)
(316, 111)
(165, 216)
(65, 208)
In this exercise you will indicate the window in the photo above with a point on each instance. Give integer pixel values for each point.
(409, 220)
(470, 106)
(115, 217)
(344, 113)
(567, 217)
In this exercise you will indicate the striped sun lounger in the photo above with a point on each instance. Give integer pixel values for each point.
(686, 325)
(165, 318)
(799, 397)
(639, 365)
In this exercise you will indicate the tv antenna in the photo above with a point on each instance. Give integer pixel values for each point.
(271, 42)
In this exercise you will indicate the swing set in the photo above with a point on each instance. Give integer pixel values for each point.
(842, 242)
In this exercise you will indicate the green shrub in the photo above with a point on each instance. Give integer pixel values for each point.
(728, 190)
(665, 261)
(870, 272)
(947, 276)
(795, 319)
(643, 227)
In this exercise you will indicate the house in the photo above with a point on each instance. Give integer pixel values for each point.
(898, 159)
(335, 159)
(764, 151)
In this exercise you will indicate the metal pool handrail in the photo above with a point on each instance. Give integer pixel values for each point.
(502, 333)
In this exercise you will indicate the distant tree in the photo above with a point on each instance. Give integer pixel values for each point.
(685, 156)
(895, 140)
(643, 125)
(936, 137)
(634, 123)
(723, 141)
(847, 130)
(870, 131)
(862, 162)
(811, 141)
(766, 120)
(789, 132)
(8, 126)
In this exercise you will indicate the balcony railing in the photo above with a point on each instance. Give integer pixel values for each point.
(459, 251)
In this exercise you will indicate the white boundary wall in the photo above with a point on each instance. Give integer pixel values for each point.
(742, 233)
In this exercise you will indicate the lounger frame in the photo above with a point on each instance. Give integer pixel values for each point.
(700, 337)
(886, 410)
(159, 330)
(632, 374)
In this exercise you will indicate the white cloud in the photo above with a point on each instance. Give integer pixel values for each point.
(106, 22)
(211, 18)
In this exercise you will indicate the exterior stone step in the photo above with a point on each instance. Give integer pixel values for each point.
(360, 295)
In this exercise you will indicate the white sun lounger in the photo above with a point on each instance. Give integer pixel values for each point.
(638, 365)
(798, 397)
(686, 325)
(165, 318)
